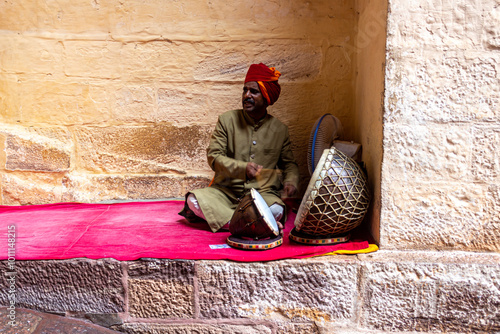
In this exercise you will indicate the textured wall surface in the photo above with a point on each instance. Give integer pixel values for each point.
(116, 100)
(105, 100)
(370, 64)
(386, 291)
(441, 165)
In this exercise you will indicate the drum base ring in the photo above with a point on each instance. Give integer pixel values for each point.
(248, 244)
(308, 239)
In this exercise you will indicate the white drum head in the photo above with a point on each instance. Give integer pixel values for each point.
(310, 193)
(264, 210)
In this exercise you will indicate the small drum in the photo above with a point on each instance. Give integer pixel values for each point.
(335, 202)
(253, 225)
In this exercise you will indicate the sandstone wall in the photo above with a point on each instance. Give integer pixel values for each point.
(441, 164)
(369, 91)
(108, 100)
(382, 292)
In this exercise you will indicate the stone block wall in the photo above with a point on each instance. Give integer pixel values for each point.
(370, 63)
(387, 291)
(104, 100)
(441, 167)
(116, 100)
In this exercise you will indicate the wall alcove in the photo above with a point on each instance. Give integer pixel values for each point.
(116, 101)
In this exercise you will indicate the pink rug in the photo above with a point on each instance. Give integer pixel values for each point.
(129, 231)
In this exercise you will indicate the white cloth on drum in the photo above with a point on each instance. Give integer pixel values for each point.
(193, 204)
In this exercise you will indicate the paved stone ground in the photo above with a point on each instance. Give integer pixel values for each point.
(28, 321)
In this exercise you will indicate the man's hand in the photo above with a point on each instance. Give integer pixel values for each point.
(289, 189)
(280, 227)
(253, 170)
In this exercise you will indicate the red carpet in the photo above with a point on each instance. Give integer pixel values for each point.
(128, 231)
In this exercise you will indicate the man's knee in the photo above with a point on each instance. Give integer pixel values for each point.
(277, 211)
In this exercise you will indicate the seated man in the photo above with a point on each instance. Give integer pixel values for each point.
(248, 149)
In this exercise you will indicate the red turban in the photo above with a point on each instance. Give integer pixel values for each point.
(267, 78)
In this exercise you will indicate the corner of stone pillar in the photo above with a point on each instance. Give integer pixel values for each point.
(3, 157)
(2, 163)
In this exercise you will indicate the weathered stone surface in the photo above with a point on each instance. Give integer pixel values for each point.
(312, 291)
(337, 62)
(63, 101)
(31, 156)
(158, 148)
(43, 149)
(301, 104)
(289, 328)
(93, 59)
(160, 60)
(151, 281)
(140, 60)
(158, 269)
(14, 321)
(298, 328)
(442, 91)
(29, 321)
(45, 56)
(3, 158)
(485, 154)
(105, 319)
(438, 215)
(31, 188)
(78, 187)
(196, 182)
(431, 292)
(2, 164)
(91, 188)
(442, 87)
(9, 98)
(392, 291)
(427, 153)
(147, 299)
(91, 286)
(368, 43)
(442, 25)
(369, 96)
(135, 104)
(189, 20)
(230, 62)
(80, 18)
(43, 99)
(193, 328)
(320, 327)
(152, 187)
(183, 104)
(192, 20)
(491, 26)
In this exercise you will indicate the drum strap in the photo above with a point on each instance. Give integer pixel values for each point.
(244, 207)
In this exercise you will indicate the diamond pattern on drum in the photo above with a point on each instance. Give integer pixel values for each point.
(337, 199)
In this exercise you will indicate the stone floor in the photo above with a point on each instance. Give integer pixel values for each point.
(28, 321)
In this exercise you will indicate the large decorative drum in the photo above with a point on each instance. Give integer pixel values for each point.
(253, 225)
(335, 202)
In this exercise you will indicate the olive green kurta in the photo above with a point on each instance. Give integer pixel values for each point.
(237, 140)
